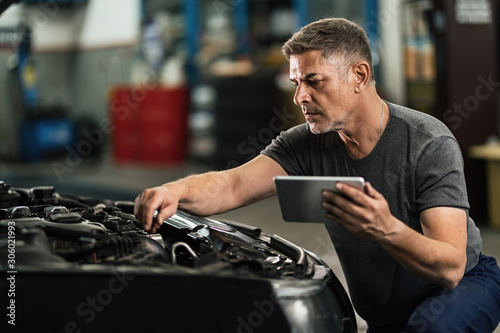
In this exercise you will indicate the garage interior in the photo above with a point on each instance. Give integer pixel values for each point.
(107, 98)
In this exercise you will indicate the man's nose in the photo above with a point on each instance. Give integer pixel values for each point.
(301, 95)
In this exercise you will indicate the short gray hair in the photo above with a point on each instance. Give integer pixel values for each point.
(337, 37)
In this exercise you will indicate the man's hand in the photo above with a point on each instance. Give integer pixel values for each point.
(365, 214)
(160, 201)
(438, 255)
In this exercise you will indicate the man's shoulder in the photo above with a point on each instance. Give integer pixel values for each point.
(418, 121)
(301, 128)
(303, 131)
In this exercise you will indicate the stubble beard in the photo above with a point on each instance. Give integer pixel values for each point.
(320, 124)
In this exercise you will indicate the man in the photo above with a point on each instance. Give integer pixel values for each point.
(410, 252)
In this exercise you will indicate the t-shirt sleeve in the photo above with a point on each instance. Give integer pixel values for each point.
(288, 150)
(439, 176)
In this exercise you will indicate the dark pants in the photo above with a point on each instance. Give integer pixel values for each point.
(472, 306)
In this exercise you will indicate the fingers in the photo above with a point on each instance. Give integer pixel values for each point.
(334, 210)
(365, 214)
(346, 203)
(344, 193)
(337, 206)
(153, 206)
(164, 213)
(144, 209)
(371, 191)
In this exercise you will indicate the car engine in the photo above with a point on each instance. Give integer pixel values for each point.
(76, 264)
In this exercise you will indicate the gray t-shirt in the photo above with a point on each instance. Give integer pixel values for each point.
(416, 165)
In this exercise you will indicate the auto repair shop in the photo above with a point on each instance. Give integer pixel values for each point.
(102, 99)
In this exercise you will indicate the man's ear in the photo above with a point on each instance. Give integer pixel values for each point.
(361, 71)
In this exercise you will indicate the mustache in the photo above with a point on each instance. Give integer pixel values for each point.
(312, 109)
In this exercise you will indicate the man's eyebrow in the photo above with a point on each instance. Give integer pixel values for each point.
(307, 77)
(310, 75)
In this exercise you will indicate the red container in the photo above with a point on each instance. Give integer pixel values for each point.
(150, 125)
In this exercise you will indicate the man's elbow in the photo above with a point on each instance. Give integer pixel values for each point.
(452, 277)
(451, 283)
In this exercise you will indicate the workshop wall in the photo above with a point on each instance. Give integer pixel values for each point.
(77, 51)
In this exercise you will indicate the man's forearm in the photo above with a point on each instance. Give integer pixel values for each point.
(209, 193)
(206, 194)
(430, 259)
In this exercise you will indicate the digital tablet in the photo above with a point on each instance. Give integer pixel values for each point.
(300, 196)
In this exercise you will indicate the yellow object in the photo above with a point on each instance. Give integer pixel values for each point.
(491, 153)
(29, 76)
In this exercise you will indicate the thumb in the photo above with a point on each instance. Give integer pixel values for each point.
(371, 191)
(164, 213)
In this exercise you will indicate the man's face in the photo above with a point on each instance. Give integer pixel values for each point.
(326, 96)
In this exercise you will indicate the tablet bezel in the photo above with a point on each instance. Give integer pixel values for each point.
(300, 196)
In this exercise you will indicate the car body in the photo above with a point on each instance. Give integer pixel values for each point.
(79, 264)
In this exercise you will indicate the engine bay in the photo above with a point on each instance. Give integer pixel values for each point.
(84, 256)
(51, 228)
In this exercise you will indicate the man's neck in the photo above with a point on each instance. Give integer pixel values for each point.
(367, 127)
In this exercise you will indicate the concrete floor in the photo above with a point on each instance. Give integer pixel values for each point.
(106, 180)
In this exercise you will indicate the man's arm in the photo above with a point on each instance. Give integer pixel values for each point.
(438, 255)
(209, 193)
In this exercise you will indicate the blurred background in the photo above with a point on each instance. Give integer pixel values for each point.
(105, 98)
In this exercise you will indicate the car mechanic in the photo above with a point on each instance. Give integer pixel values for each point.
(409, 250)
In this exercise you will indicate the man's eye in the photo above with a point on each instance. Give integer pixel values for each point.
(308, 82)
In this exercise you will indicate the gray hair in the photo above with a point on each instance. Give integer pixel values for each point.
(340, 41)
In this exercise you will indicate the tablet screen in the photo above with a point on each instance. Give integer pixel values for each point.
(300, 196)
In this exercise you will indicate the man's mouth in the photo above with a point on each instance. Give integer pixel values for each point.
(310, 113)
